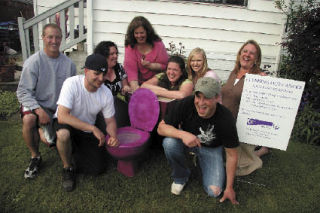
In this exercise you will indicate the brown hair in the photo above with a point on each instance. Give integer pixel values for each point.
(140, 21)
(103, 48)
(52, 25)
(192, 74)
(164, 80)
(256, 67)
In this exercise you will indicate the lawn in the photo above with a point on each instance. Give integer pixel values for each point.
(288, 182)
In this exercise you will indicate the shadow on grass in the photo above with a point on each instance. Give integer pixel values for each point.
(288, 182)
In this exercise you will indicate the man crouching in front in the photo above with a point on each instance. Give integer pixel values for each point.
(201, 125)
(81, 99)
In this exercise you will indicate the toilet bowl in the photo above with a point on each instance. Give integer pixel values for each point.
(133, 140)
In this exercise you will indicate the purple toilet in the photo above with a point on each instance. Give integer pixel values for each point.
(143, 113)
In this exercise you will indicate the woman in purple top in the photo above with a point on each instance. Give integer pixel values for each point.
(145, 53)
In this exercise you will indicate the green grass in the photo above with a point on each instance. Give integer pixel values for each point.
(288, 182)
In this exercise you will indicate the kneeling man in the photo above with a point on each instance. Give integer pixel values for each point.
(200, 124)
(80, 100)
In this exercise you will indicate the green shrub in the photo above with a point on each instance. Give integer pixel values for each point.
(301, 45)
(307, 126)
(301, 61)
(8, 104)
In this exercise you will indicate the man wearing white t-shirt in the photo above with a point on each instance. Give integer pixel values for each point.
(80, 100)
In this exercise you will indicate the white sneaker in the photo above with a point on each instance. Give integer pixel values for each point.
(177, 188)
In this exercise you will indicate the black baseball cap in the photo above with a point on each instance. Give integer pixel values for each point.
(96, 62)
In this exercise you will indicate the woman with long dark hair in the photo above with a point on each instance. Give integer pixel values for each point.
(173, 83)
(145, 53)
(116, 80)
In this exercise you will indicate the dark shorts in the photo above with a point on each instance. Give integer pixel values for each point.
(57, 126)
(88, 156)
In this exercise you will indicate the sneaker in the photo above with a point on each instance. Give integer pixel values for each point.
(177, 188)
(32, 170)
(68, 179)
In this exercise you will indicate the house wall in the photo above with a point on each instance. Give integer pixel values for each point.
(219, 29)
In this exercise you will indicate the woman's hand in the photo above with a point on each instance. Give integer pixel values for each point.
(126, 89)
(134, 85)
(145, 63)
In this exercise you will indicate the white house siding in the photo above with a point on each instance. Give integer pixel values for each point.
(219, 29)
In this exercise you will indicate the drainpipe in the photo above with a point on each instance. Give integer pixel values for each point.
(90, 27)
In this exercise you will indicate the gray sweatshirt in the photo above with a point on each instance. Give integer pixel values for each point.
(42, 78)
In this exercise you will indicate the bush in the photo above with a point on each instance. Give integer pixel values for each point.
(307, 126)
(301, 61)
(302, 47)
(8, 104)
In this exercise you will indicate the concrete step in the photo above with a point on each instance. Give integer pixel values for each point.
(78, 57)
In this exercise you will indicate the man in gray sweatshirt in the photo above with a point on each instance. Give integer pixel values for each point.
(41, 80)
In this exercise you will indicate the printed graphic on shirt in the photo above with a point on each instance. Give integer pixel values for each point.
(208, 136)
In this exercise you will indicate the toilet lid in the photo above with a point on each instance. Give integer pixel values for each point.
(144, 109)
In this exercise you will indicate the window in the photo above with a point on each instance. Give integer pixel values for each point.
(232, 2)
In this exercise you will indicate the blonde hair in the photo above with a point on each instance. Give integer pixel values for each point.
(192, 74)
(256, 67)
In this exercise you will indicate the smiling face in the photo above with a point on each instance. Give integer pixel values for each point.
(93, 79)
(206, 107)
(140, 34)
(197, 62)
(248, 56)
(113, 57)
(173, 72)
(51, 41)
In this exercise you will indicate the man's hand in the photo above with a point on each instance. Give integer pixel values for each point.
(43, 116)
(190, 140)
(99, 135)
(229, 194)
(112, 141)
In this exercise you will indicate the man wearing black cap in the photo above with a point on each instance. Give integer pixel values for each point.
(203, 126)
(80, 100)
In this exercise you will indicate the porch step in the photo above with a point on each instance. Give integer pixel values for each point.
(78, 57)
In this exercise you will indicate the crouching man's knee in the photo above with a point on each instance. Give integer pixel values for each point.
(29, 121)
(214, 191)
(63, 135)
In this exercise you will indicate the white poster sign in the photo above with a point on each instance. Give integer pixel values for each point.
(267, 110)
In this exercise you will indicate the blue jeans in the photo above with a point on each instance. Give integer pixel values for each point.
(209, 159)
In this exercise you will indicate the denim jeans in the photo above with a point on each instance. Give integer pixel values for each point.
(209, 159)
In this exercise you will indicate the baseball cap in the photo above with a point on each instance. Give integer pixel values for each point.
(209, 87)
(96, 62)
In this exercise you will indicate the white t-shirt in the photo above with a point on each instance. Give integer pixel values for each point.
(83, 104)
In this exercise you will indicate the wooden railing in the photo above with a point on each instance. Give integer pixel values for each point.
(64, 14)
